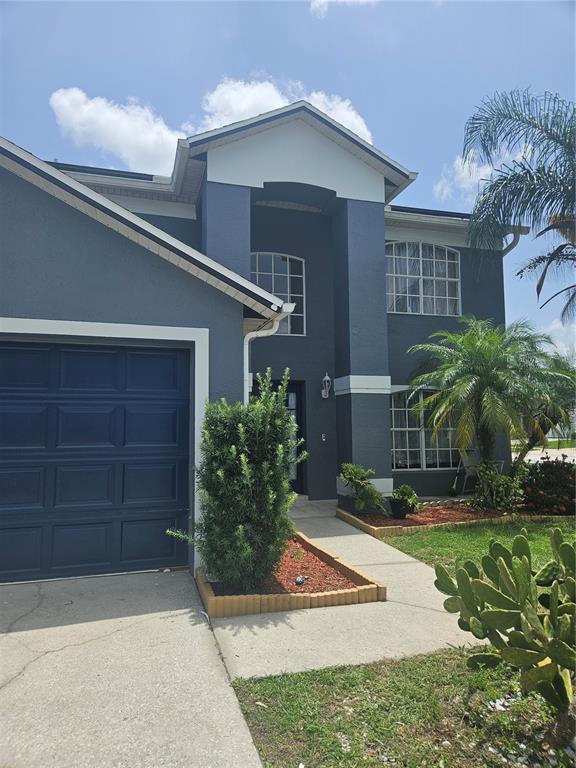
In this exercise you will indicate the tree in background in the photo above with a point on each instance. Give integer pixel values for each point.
(537, 188)
(488, 379)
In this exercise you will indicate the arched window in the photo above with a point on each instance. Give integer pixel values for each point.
(283, 276)
(423, 279)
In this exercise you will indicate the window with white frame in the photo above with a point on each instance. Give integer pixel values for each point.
(283, 276)
(412, 444)
(423, 279)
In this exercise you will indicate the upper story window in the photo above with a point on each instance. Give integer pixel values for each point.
(423, 279)
(283, 276)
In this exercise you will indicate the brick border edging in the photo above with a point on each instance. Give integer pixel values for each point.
(389, 531)
(367, 590)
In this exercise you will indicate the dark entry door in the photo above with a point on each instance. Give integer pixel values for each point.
(296, 408)
(93, 458)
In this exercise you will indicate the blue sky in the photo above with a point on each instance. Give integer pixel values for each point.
(406, 73)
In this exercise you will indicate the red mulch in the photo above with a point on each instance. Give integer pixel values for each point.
(298, 561)
(430, 515)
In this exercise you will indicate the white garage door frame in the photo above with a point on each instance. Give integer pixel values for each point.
(199, 363)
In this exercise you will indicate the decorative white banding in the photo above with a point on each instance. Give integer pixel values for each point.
(384, 484)
(362, 385)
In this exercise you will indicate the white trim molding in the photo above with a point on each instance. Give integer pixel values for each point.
(200, 337)
(362, 385)
(384, 484)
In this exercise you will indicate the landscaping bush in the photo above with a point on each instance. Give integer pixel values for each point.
(549, 487)
(244, 485)
(365, 496)
(497, 491)
(527, 616)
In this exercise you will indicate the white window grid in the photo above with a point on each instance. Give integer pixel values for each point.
(423, 279)
(412, 445)
(284, 276)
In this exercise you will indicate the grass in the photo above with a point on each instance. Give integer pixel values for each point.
(451, 546)
(420, 711)
(561, 443)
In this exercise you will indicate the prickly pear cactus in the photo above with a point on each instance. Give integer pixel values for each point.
(528, 616)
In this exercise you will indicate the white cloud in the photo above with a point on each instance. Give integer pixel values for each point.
(463, 179)
(131, 132)
(142, 140)
(319, 8)
(564, 336)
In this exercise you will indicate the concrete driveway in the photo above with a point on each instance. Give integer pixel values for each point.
(114, 672)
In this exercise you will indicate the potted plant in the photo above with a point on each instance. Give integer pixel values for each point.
(404, 500)
(366, 498)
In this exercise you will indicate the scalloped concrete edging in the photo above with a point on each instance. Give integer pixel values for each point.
(367, 590)
(389, 531)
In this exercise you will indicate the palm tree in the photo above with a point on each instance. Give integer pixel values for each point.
(554, 412)
(487, 379)
(537, 187)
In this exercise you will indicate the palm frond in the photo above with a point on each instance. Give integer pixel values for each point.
(546, 124)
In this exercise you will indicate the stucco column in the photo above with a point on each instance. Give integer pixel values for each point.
(226, 225)
(362, 381)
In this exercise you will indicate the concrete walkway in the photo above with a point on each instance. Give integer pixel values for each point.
(115, 672)
(412, 621)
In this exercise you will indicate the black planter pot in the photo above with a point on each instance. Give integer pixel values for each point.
(400, 508)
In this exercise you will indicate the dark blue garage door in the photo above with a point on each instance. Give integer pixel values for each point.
(94, 458)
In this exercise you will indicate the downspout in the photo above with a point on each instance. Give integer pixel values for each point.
(249, 337)
(513, 243)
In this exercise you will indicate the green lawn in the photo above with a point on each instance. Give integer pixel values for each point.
(452, 546)
(561, 443)
(421, 711)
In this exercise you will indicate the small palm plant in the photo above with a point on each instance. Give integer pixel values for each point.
(487, 380)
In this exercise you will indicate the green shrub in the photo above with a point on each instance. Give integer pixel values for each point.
(498, 491)
(364, 495)
(549, 487)
(244, 485)
(408, 494)
(527, 616)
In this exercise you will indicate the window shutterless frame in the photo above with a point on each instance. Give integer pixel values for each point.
(287, 275)
(412, 446)
(423, 279)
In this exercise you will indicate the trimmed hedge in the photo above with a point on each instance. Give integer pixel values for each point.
(549, 487)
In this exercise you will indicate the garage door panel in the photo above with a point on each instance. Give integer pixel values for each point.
(20, 552)
(95, 370)
(94, 458)
(86, 426)
(23, 426)
(154, 426)
(152, 482)
(85, 484)
(82, 544)
(22, 487)
(25, 369)
(152, 371)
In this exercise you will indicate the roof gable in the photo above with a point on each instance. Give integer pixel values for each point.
(282, 131)
(41, 174)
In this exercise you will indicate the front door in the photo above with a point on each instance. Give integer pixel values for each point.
(295, 404)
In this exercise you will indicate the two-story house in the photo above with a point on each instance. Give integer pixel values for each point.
(127, 300)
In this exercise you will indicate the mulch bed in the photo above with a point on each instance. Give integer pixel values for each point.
(431, 514)
(298, 561)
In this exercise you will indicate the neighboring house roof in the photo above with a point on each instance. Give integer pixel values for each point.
(60, 185)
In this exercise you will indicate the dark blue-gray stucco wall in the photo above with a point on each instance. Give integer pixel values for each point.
(59, 264)
(307, 235)
(188, 231)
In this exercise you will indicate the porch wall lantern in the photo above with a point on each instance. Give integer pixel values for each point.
(326, 386)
